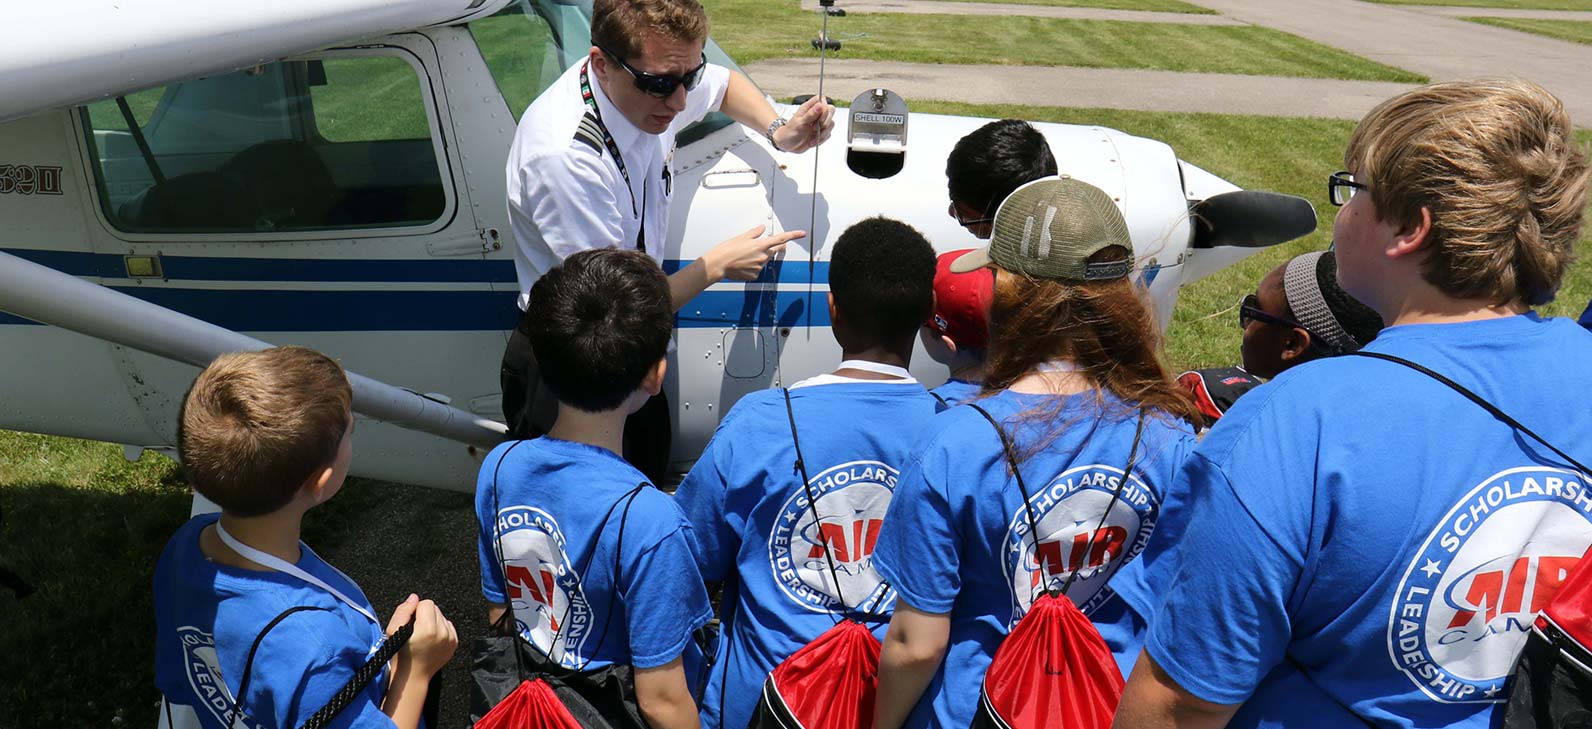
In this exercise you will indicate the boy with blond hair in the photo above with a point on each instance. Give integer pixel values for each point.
(252, 627)
(1365, 546)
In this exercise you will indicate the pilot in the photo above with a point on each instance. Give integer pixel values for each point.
(988, 164)
(592, 167)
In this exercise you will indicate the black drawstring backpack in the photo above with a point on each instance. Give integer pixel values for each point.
(1550, 686)
(832, 681)
(1053, 671)
(516, 687)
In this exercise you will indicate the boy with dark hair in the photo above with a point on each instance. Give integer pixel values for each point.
(957, 332)
(598, 563)
(987, 165)
(754, 527)
(239, 600)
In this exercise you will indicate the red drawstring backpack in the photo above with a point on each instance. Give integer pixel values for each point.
(1054, 670)
(532, 705)
(831, 682)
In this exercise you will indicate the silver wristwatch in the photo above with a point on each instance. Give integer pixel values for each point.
(769, 133)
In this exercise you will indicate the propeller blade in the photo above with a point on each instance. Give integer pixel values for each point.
(1251, 219)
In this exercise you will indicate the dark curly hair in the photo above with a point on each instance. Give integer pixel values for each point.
(882, 276)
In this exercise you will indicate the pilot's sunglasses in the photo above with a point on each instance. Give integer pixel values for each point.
(1341, 188)
(661, 85)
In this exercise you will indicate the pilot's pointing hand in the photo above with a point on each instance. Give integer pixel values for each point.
(808, 127)
(743, 257)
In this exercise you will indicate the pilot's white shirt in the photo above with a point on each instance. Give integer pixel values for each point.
(564, 196)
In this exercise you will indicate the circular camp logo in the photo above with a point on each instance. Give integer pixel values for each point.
(202, 667)
(543, 588)
(1467, 601)
(851, 502)
(1073, 541)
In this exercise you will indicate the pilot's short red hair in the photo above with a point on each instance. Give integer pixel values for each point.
(619, 25)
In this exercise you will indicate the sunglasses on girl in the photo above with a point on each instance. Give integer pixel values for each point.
(1249, 311)
(661, 85)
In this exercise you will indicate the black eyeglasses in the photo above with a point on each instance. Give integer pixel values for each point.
(966, 222)
(1341, 188)
(661, 85)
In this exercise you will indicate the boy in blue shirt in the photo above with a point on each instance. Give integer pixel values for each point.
(753, 527)
(1364, 545)
(249, 619)
(956, 333)
(598, 563)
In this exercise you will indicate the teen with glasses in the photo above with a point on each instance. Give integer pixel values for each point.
(1364, 545)
(987, 165)
(591, 167)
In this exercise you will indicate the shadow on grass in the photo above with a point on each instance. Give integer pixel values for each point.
(80, 650)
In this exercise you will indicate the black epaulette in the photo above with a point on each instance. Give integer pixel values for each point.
(590, 131)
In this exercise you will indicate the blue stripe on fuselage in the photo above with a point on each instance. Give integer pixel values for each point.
(260, 310)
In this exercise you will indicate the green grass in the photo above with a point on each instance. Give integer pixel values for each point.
(742, 28)
(1575, 31)
(86, 527)
(1509, 4)
(1162, 6)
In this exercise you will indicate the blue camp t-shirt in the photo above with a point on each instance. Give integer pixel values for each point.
(207, 615)
(754, 529)
(955, 392)
(957, 538)
(1363, 522)
(552, 498)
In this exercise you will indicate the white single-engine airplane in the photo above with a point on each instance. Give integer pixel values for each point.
(188, 178)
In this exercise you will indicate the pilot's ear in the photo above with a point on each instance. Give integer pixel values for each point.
(598, 61)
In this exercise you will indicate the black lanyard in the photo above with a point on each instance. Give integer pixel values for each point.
(619, 159)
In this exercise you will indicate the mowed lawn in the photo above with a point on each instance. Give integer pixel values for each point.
(1575, 31)
(742, 27)
(1163, 6)
(86, 527)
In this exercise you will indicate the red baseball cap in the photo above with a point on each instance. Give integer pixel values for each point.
(961, 302)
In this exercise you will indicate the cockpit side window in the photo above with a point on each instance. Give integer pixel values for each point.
(339, 141)
(529, 43)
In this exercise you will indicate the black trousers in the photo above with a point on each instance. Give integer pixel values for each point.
(530, 408)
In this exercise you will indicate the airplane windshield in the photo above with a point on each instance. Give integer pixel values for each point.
(530, 42)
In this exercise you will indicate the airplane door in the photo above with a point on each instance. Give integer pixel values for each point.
(728, 339)
(314, 201)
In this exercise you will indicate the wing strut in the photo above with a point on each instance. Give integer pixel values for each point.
(48, 296)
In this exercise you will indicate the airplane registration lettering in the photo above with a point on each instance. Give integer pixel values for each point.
(30, 180)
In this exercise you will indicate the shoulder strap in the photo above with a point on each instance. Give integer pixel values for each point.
(619, 555)
(1028, 508)
(936, 395)
(812, 503)
(1473, 397)
(345, 696)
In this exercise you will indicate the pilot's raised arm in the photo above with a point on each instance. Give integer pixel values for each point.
(591, 164)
